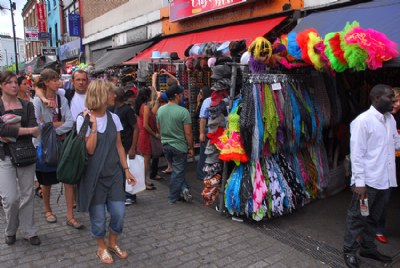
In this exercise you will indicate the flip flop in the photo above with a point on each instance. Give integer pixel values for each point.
(166, 171)
(157, 178)
(150, 187)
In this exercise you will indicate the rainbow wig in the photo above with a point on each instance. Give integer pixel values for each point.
(355, 56)
(329, 52)
(293, 47)
(378, 47)
(302, 39)
(315, 58)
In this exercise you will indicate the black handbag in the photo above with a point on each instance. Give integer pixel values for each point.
(22, 152)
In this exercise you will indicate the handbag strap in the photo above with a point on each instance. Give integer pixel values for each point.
(84, 127)
(59, 115)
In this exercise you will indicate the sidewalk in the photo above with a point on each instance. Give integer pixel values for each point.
(156, 234)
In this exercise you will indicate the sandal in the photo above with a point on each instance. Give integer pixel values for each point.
(167, 171)
(150, 187)
(104, 256)
(74, 223)
(50, 217)
(38, 192)
(157, 178)
(122, 254)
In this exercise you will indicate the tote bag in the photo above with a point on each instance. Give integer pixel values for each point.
(136, 167)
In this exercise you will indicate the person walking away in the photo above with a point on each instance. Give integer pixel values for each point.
(102, 185)
(143, 114)
(380, 230)
(130, 132)
(175, 127)
(16, 183)
(202, 110)
(63, 122)
(372, 145)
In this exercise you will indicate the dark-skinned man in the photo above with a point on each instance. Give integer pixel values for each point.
(372, 144)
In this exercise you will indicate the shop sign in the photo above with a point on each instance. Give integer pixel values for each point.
(41, 17)
(70, 50)
(49, 51)
(182, 9)
(74, 23)
(31, 34)
(44, 36)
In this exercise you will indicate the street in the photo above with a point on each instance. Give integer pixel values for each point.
(157, 234)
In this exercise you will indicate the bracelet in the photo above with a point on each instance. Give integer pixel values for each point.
(126, 168)
(94, 131)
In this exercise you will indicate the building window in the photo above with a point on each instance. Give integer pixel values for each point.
(54, 4)
(48, 6)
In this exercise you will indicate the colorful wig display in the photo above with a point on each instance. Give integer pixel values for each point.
(293, 48)
(376, 44)
(260, 48)
(315, 57)
(334, 62)
(355, 56)
(302, 39)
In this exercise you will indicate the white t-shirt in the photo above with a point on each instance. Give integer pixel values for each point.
(101, 123)
(77, 105)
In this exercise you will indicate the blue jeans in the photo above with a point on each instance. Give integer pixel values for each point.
(200, 164)
(98, 218)
(380, 229)
(178, 160)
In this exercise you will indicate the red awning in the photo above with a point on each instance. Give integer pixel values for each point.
(248, 31)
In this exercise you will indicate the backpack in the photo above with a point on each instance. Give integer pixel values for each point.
(73, 158)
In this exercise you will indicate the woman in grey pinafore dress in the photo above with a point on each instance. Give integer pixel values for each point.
(102, 185)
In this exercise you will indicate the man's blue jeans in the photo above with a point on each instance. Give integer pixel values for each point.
(178, 160)
(98, 218)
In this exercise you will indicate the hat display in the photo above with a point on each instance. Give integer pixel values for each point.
(222, 60)
(202, 46)
(209, 49)
(172, 90)
(211, 62)
(156, 54)
(165, 55)
(224, 47)
(221, 71)
(244, 59)
(237, 47)
(174, 56)
(194, 51)
(187, 51)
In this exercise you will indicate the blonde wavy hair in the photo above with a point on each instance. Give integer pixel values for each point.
(97, 93)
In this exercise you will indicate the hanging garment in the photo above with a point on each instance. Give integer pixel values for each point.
(288, 199)
(247, 118)
(260, 191)
(312, 173)
(270, 119)
(275, 188)
(298, 193)
(246, 189)
(232, 190)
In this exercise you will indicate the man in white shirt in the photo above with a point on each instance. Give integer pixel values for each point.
(372, 145)
(76, 98)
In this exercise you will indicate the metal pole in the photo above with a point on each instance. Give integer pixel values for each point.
(225, 165)
(12, 7)
(6, 56)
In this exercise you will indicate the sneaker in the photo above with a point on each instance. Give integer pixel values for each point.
(237, 219)
(187, 195)
(128, 202)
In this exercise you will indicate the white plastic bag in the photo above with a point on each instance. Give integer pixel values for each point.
(136, 167)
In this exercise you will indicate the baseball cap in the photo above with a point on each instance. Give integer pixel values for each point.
(172, 90)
